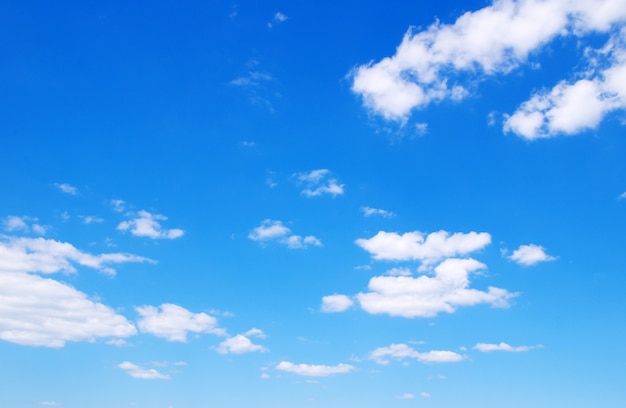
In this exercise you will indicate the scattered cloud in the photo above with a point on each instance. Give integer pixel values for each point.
(273, 230)
(421, 128)
(66, 188)
(406, 396)
(430, 65)
(427, 296)
(310, 370)
(529, 255)
(318, 182)
(622, 196)
(142, 373)
(118, 205)
(146, 224)
(424, 394)
(369, 211)
(277, 19)
(336, 303)
(50, 404)
(265, 376)
(486, 347)
(402, 351)
(416, 246)
(173, 322)
(90, 219)
(254, 332)
(239, 344)
(14, 223)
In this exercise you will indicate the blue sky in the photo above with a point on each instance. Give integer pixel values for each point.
(373, 204)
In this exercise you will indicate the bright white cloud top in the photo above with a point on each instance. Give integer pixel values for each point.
(173, 322)
(274, 230)
(531, 254)
(319, 182)
(487, 347)
(239, 344)
(142, 373)
(146, 224)
(429, 64)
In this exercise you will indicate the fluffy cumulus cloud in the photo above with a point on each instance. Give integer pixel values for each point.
(426, 248)
(18, 254)
(532, 254)
(426, 296)
(142, 373)
(312, 370)
(173, 322)
(571, 107)
(318, 182)
(274, 230)
(402, 351)
(239, 344)
(37, 311)
(487, 347)
(433, 64)
(336, 303)
(145, 224)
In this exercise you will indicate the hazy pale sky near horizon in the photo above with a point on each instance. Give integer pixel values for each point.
(362, 203)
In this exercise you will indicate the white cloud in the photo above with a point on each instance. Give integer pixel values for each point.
(118, 205)
(336, 303)
(318, 182)
(14, 223)
(401, 351)
(486, 347)
(173, 322)
(239, 344)
(532, 254)
(43, 312)
(424, 394)
(427, 296)
(269, 230)
(428, 249)
(428, 64)
(406, 396)
(147, 225)
(277, 18)
(310, 370)
(66, 188)
(142, 373)
(49, 256)
(50, 404)
(273, 230)
(369, 211)
(90, 219)
(254, 332)
(265, 376)
(572, 107)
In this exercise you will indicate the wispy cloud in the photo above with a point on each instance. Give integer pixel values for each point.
(66, 188)
(369, 211)
(277, 19)
(274, 230)
(487, 347)
(142, 373)
(312, 370)
(401, 351)
(319, 182)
